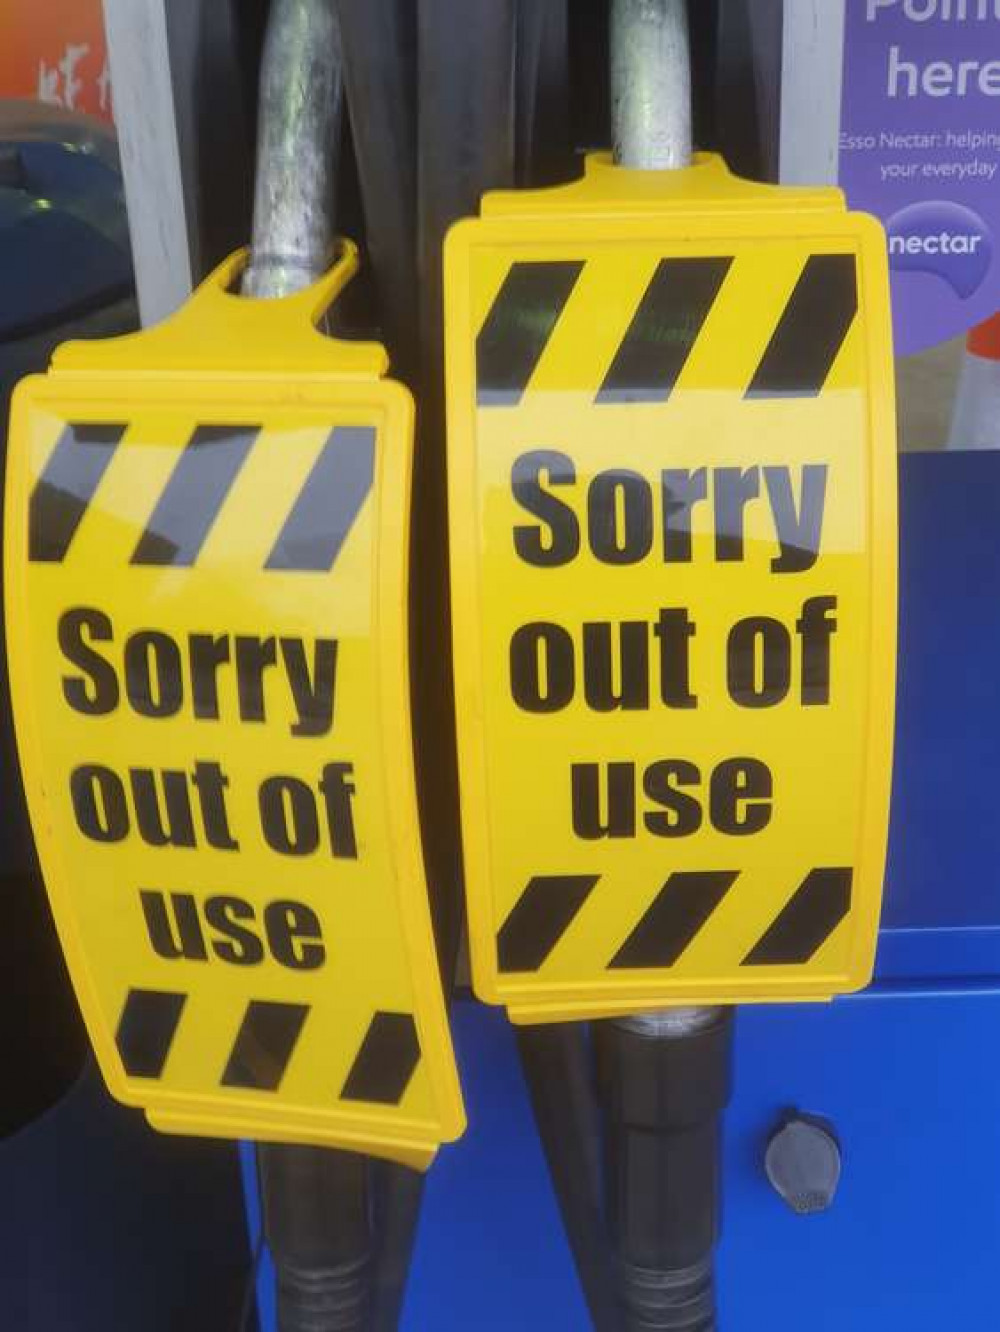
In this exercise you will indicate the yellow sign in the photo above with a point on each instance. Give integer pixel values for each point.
(672, 495)
(206, 546)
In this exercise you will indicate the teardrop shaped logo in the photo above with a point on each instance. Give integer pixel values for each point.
(946, 239)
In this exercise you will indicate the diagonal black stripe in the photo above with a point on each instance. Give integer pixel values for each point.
(146, 1030)
(194, 494)
(386, 1061)
(540, 917)
(66, 487)
(811, 331)
(677, 913)
(664, 329)
(328, 503)
(820, 903)
(518, 326)
(264, 1044)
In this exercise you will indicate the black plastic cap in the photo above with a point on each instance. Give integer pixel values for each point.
(803, 1163)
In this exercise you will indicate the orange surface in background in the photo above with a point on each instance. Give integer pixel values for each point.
(984, 340)
(40, 55)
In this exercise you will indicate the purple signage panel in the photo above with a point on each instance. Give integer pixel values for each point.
(920, 148)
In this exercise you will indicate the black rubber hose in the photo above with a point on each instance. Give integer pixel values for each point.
(664, 1097)
(398, 1194)
(542, 116)
(466, 84)
(379, 43)
(556, 1059)
(465, 147)
(748, 86)
(379, 40)
(703, 29)
(558, 1068)
(317, 1225)
(532, 18)
(554, 157)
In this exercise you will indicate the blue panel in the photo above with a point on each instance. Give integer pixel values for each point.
(945, 843)
(909, 1243)
(952, 955)
(909, 1084)
(491, 1246)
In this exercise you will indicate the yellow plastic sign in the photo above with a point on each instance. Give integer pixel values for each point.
(206, 547)
(672, 513)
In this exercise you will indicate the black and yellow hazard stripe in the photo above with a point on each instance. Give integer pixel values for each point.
(682, 907)
(663, 330)
(674, 919)
(65, 489)
(534, 309)
(518, 327)
(146, 1030)
(265, 1043)
(207, 467)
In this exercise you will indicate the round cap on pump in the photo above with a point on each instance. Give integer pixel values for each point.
(803, 1163)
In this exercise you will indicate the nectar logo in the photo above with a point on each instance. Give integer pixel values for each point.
(942, 238)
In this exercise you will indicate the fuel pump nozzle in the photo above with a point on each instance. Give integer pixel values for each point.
(316, 1205)
(664, 1076)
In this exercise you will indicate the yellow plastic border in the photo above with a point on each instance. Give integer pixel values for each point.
(150, 370)
(626, 207)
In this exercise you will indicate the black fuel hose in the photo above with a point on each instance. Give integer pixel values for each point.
(465, 90)
(379, 42)
(316, 1221)
(663, 1100)
(315, 1202)
(379, 45)
(556, 1058)
(544, 152)
(557, 1063)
